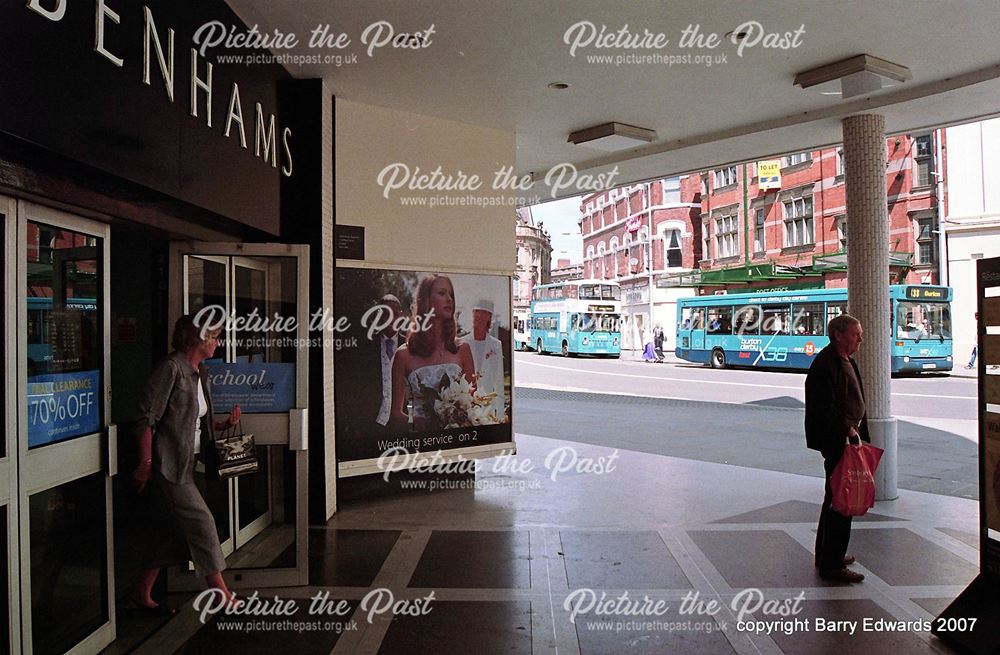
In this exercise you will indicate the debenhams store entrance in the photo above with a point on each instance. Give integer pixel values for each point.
(139, 182)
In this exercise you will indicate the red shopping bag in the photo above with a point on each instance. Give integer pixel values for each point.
(853, 480)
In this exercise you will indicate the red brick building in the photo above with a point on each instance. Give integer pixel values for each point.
(636, 234)
(720, 230)
(796, 234)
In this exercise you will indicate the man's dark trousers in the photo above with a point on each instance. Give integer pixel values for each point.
(834, 531)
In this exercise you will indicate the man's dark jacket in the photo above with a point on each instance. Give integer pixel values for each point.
(826, 426)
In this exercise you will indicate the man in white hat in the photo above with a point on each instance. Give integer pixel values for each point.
(487, 354)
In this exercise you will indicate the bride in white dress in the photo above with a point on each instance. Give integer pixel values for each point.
(428, 355)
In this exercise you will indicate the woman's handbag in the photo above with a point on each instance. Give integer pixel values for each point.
(236, 454)
(853, 480)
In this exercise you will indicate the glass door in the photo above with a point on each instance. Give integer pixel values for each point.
(64, 443)
(206, 285)
(256, 283)
(258, 294)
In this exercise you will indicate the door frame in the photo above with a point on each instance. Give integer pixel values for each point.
(288, 429)
(8, 463)
(85, 455)
(228, 545)
(242, 535)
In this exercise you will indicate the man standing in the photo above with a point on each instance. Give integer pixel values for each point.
(487, 355)
(835, 414)
(388, 340)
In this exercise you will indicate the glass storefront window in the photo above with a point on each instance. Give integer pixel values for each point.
(65, 349)
(68, 563)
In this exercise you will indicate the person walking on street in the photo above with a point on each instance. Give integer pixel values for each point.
(835, 415)
(658, 343)
(975, 348)
(648, 355)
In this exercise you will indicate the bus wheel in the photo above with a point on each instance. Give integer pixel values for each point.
(718, 358)
(565, 349)
(538, 348)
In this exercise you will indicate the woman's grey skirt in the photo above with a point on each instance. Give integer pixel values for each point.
(184, 529)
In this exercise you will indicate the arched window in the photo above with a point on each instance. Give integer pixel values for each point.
(672, 237)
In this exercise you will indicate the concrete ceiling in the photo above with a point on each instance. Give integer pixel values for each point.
(489, 64)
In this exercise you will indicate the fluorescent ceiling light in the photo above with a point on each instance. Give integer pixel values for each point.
(854, 76)
(611, 137)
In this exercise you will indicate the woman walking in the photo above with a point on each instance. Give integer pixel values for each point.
(175, 415)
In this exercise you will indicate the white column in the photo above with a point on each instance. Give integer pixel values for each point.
(868, 281)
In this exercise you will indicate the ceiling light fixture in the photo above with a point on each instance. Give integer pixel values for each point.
(611, 137)
(856, 75)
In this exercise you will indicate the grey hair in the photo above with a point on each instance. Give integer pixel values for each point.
(840, 324)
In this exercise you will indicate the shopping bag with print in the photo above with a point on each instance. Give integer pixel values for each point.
(853, 480)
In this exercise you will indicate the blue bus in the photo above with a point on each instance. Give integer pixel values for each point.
(785, 329)
(578, 317)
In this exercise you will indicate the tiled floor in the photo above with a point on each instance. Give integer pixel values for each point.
(657, 555)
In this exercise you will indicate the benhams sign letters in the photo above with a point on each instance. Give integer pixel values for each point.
(159, 44)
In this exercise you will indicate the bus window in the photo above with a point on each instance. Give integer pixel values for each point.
(921, 320)
(697, 318)
(776, 319)
(720, 320)
(747, 320)
(590, 292)
(693, 318)
(835, 309)
(807, 320)
(570, 291)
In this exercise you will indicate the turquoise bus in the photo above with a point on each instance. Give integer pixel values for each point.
(785, 329)
(578, 317)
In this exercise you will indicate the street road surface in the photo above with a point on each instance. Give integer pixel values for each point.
(748, 418)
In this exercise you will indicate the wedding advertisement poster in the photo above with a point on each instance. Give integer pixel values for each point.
(423, 361)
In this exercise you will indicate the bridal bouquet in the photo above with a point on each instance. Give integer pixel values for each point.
(456, 406)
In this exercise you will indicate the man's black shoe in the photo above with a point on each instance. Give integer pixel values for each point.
(842, 575)
(848, 560)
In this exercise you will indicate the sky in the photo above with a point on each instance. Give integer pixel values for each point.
(560, 216)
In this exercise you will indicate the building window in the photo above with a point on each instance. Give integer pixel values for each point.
(839, 168)
(724, 176)
(613, 249)
(759, 245)
(671, 190)
(797, 158)
(672, 256)
(798, 222)
(926, 243)
(726, 238)
(706, 251)
(842, 232)
(922, 161)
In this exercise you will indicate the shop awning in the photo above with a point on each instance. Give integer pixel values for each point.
(733, 275)
(838, 261)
